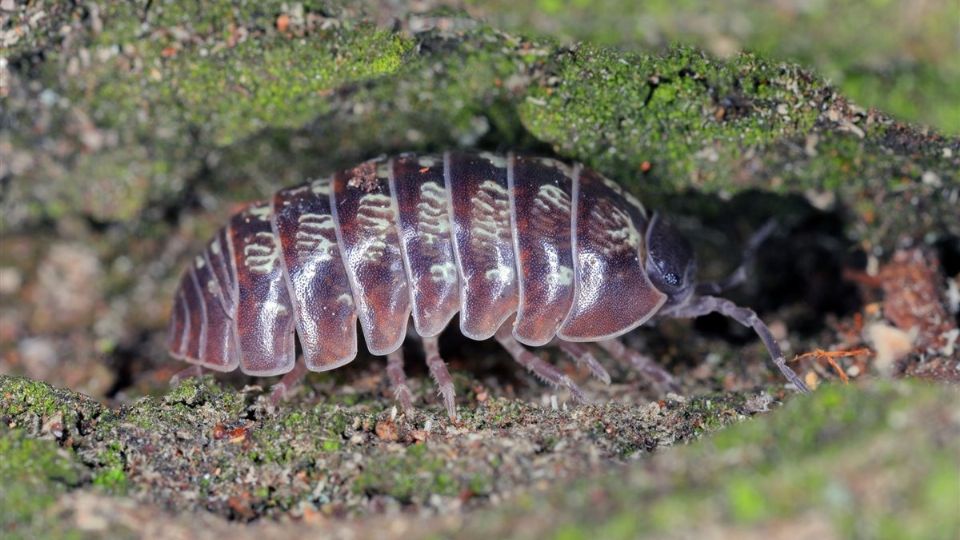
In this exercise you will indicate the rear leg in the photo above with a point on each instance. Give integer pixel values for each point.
(288, 384)
(584, 358)
(642, 363)
(703, 305)
(438, 369)
(398, 380)
(535, 364)
(186, 373)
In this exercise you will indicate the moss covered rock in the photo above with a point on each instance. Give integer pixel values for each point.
(897, 56)
(878, 459)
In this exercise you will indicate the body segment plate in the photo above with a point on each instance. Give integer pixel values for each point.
(320, 291)
(612, 291)
(220, 258)
(179, 322)
(264, 319)
(423, 219)
(193, 339)
(483, 241)
(219, 348)
(370, 249)
(541, 193)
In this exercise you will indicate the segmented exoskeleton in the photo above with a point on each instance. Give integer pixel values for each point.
(528, 250)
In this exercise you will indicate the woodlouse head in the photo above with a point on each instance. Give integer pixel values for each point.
(671, 261)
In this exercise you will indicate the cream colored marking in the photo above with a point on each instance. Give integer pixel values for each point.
(375, 215)
(550, 197)
(272, 306)
(262, 212)
(260, 257)
(432, 222)
(490, 217)
(345, 299)
(500, 274)
(215, 245)
(563, 277)
(443, 273)
(497, 161)
(554, 164)
(297, 190)
(374, 249)
(314, 233)
(321, 187)
(635, 202)
(628, 233)
(611, 184)
(613, 230)
(375, 200)
(426, 161)
(435, 194)
(198, 260)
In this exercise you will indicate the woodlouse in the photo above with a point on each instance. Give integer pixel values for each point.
(528, 250)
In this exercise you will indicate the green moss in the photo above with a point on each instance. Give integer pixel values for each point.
(248, 87)
(111, 475)
(681, 120)
(412, 476)
(168, 85)
(217, 99)
(33, 474)
(894, 55)
(745, 501)
(299, 435)
(20, 395)
(192, 399)
(867, 460)
(681, 112)
(29, 403)
(480, 484)
(190, 390)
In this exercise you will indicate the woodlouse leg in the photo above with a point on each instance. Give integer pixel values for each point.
(747, 317)
(739, 275)
(288, 383)
(398, 380)
(186, 373)
(535, 364)
(583, 357)
(438, 368)
(652, 371)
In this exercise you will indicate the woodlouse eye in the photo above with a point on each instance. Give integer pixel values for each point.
(671, 264)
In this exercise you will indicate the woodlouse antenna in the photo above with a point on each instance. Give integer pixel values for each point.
(739, 275)
(702, 305)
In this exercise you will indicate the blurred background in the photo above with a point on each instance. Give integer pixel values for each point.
(900, 56)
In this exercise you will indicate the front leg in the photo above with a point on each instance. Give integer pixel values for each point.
(650, 370)
(702, 305)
